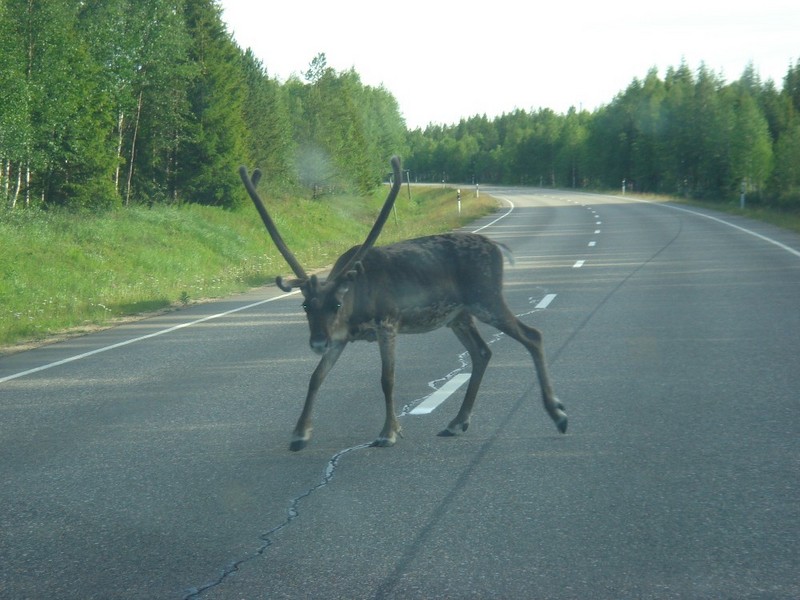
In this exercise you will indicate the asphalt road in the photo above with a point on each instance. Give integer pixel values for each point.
(153, 462)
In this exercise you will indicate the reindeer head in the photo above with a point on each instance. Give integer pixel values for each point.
(327, 307)
(327, 304)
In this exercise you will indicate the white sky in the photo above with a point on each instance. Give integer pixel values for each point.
(444, 60)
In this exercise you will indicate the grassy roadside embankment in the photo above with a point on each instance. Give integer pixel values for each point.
(785, 219)
(63, 272)
(780, 218)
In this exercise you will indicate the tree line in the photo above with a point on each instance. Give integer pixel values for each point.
(112, 102)
(688, 133)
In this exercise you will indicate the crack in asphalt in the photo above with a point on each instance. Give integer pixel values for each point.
(292, 513)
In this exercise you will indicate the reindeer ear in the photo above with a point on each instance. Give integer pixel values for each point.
(287, 286)
(343, 284)
(355, 272)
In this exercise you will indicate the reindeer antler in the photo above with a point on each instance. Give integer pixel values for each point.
(250, 185)
(379, 222)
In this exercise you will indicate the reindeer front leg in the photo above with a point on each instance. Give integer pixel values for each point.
(302, 431)
(391, 428)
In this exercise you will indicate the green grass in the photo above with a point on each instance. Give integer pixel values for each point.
(784, 218)
(72, 272)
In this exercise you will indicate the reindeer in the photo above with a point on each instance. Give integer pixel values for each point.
(414, 286)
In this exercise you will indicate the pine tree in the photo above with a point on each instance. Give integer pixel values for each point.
(269, 128)
(570, 156)
(785, 183)
(750, 144)
(215, 145)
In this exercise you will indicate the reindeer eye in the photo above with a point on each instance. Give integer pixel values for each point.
(305, 306)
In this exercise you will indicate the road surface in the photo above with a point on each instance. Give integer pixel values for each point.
(151, 460)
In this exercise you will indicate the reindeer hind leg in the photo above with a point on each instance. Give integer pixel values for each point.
(530, 337)
(464, 328)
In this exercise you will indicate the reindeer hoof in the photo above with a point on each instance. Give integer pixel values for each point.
(561, 424)
(453, 430)
(382, 442)
(298, 445)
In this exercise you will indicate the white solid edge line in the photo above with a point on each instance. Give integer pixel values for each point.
(503, 216)
(443, 393)
(139, 339)
(788, 249)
